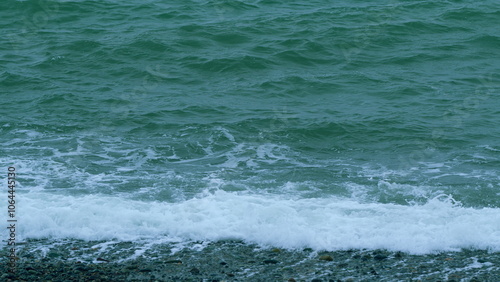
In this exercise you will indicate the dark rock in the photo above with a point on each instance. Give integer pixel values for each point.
(223, 263)
(326, 257)
(379, 257)
(316, 280)
(342, 265)
(366, 257)
(145, 270)
(194, 271)
(173, 261)
(270, 261)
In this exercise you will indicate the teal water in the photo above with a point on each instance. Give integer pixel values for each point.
(388, 104)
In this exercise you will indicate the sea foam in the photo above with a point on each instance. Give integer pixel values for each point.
(269, 220)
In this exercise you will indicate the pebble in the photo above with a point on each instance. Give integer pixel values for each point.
(195, 271)
(380, 257)
(326, 257)
(231, 262)
(173, 261)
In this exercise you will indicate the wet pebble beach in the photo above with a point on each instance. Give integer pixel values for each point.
(238, 261)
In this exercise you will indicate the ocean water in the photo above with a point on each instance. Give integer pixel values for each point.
(329, 125)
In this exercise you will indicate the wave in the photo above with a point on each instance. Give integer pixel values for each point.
(267, 220)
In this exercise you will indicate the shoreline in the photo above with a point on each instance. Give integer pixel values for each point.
(238, 261)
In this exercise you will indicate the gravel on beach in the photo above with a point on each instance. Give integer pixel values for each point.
(238, 261)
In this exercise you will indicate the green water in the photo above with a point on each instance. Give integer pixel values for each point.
(394, 102)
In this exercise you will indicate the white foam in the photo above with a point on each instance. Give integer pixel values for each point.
(490, 148)
(273, 220)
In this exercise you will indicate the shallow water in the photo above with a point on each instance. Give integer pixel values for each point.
(320, 125)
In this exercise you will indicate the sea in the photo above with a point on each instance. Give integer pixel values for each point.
(328, 125)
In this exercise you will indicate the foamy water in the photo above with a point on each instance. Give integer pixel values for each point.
(329, 125)
(268, 220)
